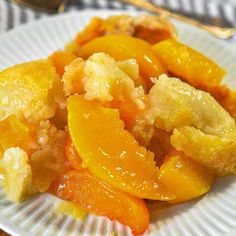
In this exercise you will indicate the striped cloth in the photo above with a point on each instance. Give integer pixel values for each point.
(12, 15)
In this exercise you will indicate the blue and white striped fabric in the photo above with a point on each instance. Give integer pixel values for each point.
(12, 15)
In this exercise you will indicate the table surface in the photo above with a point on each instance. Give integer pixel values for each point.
(13, 15)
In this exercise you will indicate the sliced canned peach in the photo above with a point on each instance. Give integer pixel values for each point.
(110, 152)
(188, 64)
(122, 47)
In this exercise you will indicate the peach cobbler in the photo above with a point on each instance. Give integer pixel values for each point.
(125, 113)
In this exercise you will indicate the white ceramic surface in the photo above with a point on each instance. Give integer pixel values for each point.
(213, 214)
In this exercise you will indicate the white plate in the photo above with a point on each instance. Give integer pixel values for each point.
(213, 214)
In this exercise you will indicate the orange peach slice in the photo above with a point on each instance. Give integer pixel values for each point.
(122, 47)
(186, 178)
(110, 152)
(188, 64)
(94, 195)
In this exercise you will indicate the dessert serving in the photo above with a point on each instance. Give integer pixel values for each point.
(124, 114)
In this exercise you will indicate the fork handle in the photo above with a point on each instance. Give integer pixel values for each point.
(216, 31)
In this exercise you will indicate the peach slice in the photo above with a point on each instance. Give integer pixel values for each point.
(122, 47)
(110, 152)
(13, 134)
(186, 178)
(188, 64)
(61, 59)
(94, 195)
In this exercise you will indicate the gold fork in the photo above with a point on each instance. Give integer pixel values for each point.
(217, 27)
